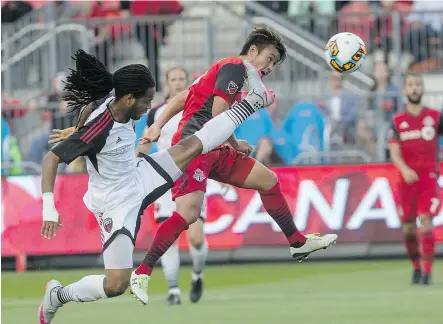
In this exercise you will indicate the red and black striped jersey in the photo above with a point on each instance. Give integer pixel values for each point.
(224, 79)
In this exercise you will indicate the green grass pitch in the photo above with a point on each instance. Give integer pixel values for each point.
(369, 292)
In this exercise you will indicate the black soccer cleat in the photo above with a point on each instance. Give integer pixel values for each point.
(416, 277)
(196, 290)
(173, 299)
(426, 279)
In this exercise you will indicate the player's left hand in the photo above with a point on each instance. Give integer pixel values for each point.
(60, 135)
(244, 147)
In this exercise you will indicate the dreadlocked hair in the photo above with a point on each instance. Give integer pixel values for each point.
(263, 36)
(91, 81)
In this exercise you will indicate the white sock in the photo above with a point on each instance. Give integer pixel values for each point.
(216, 131)
(199, 257)
(171, 263)
(87, 289)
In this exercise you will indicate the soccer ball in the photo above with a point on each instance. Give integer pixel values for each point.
(345, 52)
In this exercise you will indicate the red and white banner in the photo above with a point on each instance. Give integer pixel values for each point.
(357, 202)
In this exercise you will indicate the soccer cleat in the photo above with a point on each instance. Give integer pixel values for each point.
(416, 277)
(139, 287)
(426, 279)
(50, 303)
(196, 290)
(173, 299)
(259, 95)
(314, 242)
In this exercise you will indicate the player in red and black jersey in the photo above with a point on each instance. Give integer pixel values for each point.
(210, 95)
(413, 145)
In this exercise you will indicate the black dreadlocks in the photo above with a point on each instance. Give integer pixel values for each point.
(91, 81)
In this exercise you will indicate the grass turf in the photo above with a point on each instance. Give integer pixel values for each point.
(369, 292)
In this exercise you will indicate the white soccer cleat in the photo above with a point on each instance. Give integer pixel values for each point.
(50, 303)
(139, 287)
(314, 242)
(259, 95)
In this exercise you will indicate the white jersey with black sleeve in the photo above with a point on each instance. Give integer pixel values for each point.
(120, 185)
(165, 206)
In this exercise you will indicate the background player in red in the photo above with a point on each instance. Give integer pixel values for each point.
(210, 95)
(413, 145)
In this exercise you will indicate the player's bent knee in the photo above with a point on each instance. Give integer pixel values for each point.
(269, 181)
(184, 151)
(114, 288)
(196, 241)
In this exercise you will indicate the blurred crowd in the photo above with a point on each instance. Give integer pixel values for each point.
(338, 119)
(422, 34)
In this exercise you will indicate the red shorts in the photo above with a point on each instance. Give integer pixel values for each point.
(223, 164)
(419, 199)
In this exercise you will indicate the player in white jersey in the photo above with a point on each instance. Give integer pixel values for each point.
(176, 82)
(121, 184)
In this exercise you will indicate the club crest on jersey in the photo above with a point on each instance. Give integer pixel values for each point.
(428, 121)
(107, 224)
(232, 87)
(199, 175)
(428, 133)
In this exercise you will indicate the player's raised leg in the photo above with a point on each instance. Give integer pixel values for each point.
(250, 174)
(118, 266)
(215, 132)
(198, 248)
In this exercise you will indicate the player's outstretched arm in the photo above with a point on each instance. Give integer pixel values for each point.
(51, 218)
(173, 107)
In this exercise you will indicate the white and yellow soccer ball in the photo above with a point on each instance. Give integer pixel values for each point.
(345, 52)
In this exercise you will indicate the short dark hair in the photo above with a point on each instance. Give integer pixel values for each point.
(91, 81)
(412, 74)
(262, 37)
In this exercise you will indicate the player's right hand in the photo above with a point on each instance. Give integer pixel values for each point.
(409, 175)
(49, 228)
(151, 135)
(60, 135)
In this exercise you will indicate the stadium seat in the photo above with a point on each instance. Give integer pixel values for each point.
(302, 131)
(9, 149)
(257, 126)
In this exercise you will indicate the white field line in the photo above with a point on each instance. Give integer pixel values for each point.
(252, 297)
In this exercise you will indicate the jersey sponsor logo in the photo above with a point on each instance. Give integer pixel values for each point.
(107, 224)
(404, 125)
(427, 133)
(232, 87)
(428, 121)
(199, 175)
(121, 150)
